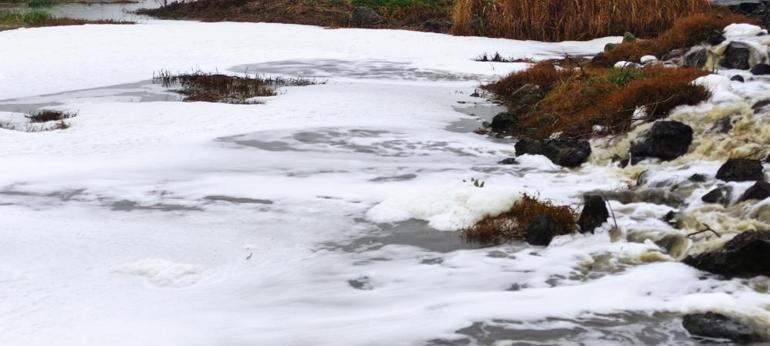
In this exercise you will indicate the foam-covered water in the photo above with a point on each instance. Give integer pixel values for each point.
(327, 215)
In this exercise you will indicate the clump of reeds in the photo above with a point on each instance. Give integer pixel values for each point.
(559, 20)
(513, 223)
(47, 115)
(40, 121)
(685, 32)
(214, 87)
(593, 101)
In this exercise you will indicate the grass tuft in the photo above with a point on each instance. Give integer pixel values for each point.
(512, 224)
(213, 87)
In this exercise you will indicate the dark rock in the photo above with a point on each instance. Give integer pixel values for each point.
(696, 57)
(737, 56)
(518, 102)
(364, 17)
(563, 152)
(629, 37)
(741, 170)
(594, 213)
(718, 326)
(758, 191)
(697, 178)
(760, 69)
(610, 46)
(666, 140)
(746, 255)
(720, 195)
(676, 53)
(671, 218)
(503, 122)
(760, 104)
(437, 25)
(508, 161)
(715, 37)
(737, 78)
(723, 125)
(759, 9)
(541, 231)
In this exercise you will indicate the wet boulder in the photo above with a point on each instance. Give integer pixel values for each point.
(760, 69)
(508, 161)
(563, 152)
(718, 326)
(666, 140)
(437, 25)
(364, 17)
(758, 191)
(720, 195)
(518, 102)
(737, 56)
(741, 170)
(696, 57)
(594, 213)
(746, 255)
(541, 231)
(503, 122)
(737, 78)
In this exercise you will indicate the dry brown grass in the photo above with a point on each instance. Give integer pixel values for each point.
(685, 32)
(513, 223)
(558, 20)
(395, 14)
(579, 99)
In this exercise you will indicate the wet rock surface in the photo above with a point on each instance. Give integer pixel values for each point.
(696, 57)
(741, 170)
(718, 326)
(541, 231)
(746, 255)
(365, 17)
(666, 140)
(758, 191)
(720, 195)
(563, 152)
(761, 69)
(594, 213)
(737, 56)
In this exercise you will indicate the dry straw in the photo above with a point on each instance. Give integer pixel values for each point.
(559, 20)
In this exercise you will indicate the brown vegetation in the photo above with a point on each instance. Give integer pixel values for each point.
(412, 14)
(513, 223)
(685, 32)
(559, 20)
(213, 87)
(49, 115)
(579, 99)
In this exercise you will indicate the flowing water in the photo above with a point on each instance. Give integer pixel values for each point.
(328, 215)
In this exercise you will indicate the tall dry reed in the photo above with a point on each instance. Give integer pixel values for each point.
(559, 20)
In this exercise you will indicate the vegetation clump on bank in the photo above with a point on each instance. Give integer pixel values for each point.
(214, 87)
(34, 18)
(685, 32)
(528, 219)
(428, 15)
(589, 101)
(559, 20)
